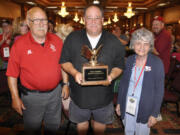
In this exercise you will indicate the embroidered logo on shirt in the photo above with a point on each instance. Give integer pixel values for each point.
(147, 68)
(52, 47)
(29, 52)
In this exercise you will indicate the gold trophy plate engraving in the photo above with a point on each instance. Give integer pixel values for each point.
(93, 72)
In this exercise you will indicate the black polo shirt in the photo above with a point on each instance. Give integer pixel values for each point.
(111, 54)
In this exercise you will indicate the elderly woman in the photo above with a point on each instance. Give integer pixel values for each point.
(141, 88)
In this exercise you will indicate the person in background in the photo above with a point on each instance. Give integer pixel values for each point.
(96, 101)
(170, 31)
(35, 59)
(20, 27)
(141, 87)
(177, 44)
(62, 31)
(162, 42)
(51, 26)
(1, 31)
(118, 33)
(5, 42)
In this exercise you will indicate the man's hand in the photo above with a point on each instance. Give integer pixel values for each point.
(108, 82)
(8, 41)
(152, 121)
(78, 77)
(18, 105)
(118, 111)
(65, 92)
(155, 52)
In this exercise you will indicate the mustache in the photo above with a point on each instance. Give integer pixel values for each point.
(40, 28)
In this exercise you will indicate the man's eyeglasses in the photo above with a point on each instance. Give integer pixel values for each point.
(38, 21)
(91, 18)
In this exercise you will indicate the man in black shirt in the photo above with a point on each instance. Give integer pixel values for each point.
(92, 100)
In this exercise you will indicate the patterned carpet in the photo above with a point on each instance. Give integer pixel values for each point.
(11, 123)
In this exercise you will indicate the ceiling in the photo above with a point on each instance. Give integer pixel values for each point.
(110, 6)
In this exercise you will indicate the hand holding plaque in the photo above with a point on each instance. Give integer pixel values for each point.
(93, 72)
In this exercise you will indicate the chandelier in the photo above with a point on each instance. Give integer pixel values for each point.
(129, 13)
(109, 21)
(76, 19)
(82, 21)
(115, 19)
(63, 11)
(96, 2)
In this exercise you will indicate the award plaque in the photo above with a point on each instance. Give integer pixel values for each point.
(94, 73)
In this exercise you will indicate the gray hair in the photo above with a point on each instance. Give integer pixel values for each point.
(142, 34)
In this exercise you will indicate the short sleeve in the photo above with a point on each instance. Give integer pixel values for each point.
(13, 68)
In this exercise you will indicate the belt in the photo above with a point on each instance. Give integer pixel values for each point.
(25, 90)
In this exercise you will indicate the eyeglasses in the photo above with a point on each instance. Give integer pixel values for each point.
(38, 21)
(95, 18)
(22, 24)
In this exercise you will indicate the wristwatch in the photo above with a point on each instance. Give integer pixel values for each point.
(67, 83)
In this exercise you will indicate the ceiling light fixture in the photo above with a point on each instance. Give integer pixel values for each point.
(114, 7)
(105, 23)
(63, 11)
(142, 8)
(129, 13)
(76, 19)
(82, 21)
(115, 19)
(30, 3)
(163, 4)
(109, 21)
(96, 2)
(51, 7)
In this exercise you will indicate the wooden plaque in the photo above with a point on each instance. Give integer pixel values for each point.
(94, 75)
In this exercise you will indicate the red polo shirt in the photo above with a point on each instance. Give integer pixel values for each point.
(37, 66)
(3, 47)
(163, 46)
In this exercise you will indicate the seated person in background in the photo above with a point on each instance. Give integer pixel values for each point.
(141, 87)
(5, 42)
(122, 37)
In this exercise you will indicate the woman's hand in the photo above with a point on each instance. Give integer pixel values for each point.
(118, 111)
(152, 121)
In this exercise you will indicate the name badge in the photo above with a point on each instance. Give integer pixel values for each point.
(6, 52)
(131, 105)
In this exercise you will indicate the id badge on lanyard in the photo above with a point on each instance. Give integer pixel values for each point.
(131, 105)
(132, 100)
(6, 52)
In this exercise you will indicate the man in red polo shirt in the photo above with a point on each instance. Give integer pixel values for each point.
(5, 41)
(35, 59)
(162, 42)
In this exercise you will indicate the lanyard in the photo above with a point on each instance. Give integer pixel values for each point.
(138, 78)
